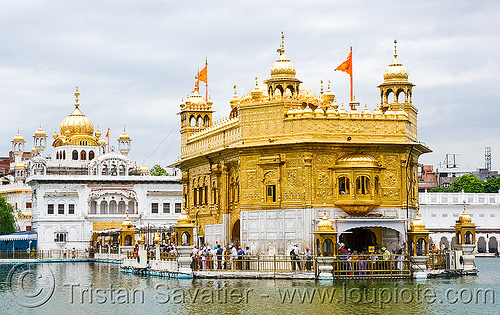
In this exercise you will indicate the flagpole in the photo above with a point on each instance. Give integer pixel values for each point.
(206, 83)
(352, 98)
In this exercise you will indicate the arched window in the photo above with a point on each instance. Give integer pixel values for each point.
(93, 207)
(363, 185)
(192, 121)
(64, 155)
(206, 121)
(112, 207)
(131, 206)
(344, 185)
(376, 185)
(104, 207)
(91, 155)
(199, 122)
(83, 155)
(468, 238)
(75, 155)
(121, 207)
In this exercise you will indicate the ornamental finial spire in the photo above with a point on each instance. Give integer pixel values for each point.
(281, 50)
(395, 49)
(76, 97)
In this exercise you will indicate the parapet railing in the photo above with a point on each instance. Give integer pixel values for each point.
(371, 266)
(260, 263)
(43, 254)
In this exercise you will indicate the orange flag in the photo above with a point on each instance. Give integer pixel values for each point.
(346, 66)
(107, 133)
(203, 75)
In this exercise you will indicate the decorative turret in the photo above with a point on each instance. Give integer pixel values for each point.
(184, 230)
(396, 91)
(40, 139)
(18, 146)
(124, 143)
(325, 237)
(283, 83)
(196, 114)
(144, 171)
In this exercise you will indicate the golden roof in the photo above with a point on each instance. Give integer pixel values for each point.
(18, 137)
(123, 136)
(395, 72)
(325, 224)
(183, 219)
(357, 159)
(464, 217)
(76, 123)
(40, 132)
(417, 224)
(127, 224)
(20, 165)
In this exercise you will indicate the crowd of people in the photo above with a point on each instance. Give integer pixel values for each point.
(381, 260)
(219, 257)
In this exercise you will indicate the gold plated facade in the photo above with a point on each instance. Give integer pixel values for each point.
(284, 147)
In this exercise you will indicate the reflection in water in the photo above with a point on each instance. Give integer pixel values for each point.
(85, 288)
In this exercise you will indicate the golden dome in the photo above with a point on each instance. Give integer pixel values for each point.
(98, 134)
(328, 97)
(124, 136)
(305, 93)
(40, 132)
(325, 224)
(55, 135)
(357, 160)
(183, 219)
(101, 141)
(464, 217)
(18, 138)
(395, 72)
(417, 224)
(127, 224)
(76, 123)
(20, 165)
(33, 150)
(157, 239)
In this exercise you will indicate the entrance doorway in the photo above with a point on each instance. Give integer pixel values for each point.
(235, 233)
(358, 239)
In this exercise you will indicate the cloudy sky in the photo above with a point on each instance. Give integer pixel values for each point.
(133, 61)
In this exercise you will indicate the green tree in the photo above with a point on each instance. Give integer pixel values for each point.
(7, 219)
(157, 170)
(469, 183)
(492, 185)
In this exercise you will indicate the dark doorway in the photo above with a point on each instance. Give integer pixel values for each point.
(358, 239)
(235, 233)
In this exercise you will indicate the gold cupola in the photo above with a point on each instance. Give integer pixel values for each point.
(18, 137)
(76, 123)
(283, 67)
(76, 129)
(395, 72)
(325, 224)
(417, 224)
(464, 217)
(127, 224)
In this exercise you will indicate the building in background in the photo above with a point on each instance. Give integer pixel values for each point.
(441, 210)
(83, 188)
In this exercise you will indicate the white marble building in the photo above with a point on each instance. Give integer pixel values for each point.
(83, 189)
(439, 211)
(67, 209)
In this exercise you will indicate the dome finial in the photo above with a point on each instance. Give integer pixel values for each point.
(328, 85)
(281, 50)
(76, 97)
(234, 87)
(395, 49)
(321, 89)
(256, 81)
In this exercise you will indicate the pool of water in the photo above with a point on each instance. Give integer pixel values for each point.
(86, 288)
